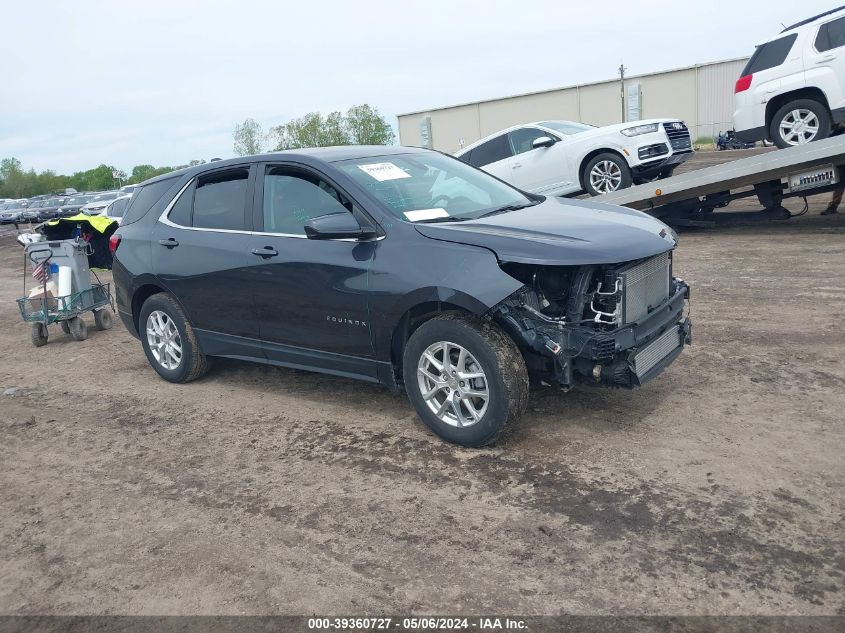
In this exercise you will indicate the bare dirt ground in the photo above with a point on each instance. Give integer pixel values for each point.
(715, 489)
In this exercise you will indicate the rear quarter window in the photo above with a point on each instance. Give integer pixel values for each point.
(831, 35)
(770, 54)
(145, 199)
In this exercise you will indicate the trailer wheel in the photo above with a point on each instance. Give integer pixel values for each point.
(103, 319)
(605, 173)
(799, 122)
(78, 329)
(39, 334)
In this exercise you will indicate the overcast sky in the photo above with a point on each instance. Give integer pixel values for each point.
(124, 83)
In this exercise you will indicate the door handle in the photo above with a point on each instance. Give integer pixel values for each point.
(170, 242)
(517, 166)
(267, 251)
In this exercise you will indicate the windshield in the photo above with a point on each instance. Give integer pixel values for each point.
(55, 202)
(566, 127)
(37, 204)
(431, 187)
(77, 201)
(104, 196)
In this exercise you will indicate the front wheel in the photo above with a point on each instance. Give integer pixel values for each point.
(606, 173)
(466, 379)
(799, 122)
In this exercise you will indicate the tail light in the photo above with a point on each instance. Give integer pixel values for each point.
(114, 242)
(743, 83)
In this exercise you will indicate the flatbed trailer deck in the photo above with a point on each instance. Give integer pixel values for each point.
(691, 199)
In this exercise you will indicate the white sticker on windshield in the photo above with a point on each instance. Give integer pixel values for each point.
(384, 171)
(426, 214)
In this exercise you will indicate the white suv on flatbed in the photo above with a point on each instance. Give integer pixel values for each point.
(557, 158)
(792, 91)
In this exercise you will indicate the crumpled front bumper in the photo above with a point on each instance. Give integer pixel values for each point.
(564, 354)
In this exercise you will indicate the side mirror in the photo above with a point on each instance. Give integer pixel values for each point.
(337, 226)
(543, 141)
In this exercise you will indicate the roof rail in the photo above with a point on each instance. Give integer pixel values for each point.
(812, 19)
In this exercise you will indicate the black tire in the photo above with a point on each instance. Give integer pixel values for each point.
(666, 172)
(625, 180)
(103, 319)
(39, 334)
(193, 363)
(64, 326)
(78, 328)
(501, 362)
(785, 111)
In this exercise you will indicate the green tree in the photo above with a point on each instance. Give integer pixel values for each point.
(248, 138)
(366, 126)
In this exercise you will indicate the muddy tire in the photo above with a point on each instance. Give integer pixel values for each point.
(466, 379)
(103, 319)
(169, 340)
(39, 334)
(78, 329)
(64, 326)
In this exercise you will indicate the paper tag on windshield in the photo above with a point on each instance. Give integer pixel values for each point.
(426, 214)
(383, 171)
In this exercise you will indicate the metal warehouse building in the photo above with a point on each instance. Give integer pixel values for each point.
(701, 95)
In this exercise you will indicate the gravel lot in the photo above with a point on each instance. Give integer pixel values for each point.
(715, 489)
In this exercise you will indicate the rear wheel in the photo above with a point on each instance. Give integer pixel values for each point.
(799, 122)
(605, 173)
(103, 319)
(169, 340)
(466, 379)
(78, 329)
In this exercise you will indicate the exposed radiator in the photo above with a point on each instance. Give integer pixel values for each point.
(645, 286)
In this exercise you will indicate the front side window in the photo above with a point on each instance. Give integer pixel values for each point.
(831, 35)
(429, 186)
(521, 140)
(493, 150)
(293, 196)
(769, 55)
(220, 200)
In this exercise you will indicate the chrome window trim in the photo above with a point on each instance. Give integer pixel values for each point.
(167, 222)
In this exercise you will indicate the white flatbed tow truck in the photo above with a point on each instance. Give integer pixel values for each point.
(691, 199)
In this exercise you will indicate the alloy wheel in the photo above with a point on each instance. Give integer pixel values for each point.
(799, 126)
(605, 176)
(164, 340)
(453, 384)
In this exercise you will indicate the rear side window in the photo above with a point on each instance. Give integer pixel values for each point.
(491, 151)
(220, 200)
(831, 35)
(769, 55)
(145, 198)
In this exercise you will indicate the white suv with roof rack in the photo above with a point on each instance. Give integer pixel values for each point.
(792, 91)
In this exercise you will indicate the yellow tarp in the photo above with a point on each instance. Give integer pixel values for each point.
(97, 222)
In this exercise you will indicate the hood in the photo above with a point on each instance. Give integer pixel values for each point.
(561, 232)
(618, 127)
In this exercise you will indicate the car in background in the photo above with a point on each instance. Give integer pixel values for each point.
(128, 189)
(792, 90)
(557, 158)
(11, 211)
(50, 209)
(99, 202)
(114, 210)
(30, 214)
(74, 204)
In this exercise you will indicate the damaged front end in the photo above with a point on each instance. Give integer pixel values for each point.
(615, 324)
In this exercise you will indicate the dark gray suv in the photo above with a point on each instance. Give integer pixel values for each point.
(401, 266)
